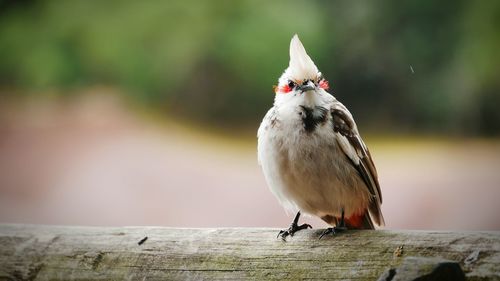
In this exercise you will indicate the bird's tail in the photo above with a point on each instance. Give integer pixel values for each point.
(359, 221)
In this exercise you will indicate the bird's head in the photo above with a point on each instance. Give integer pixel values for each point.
(301, 76)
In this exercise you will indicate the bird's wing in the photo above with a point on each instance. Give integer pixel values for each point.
(353, 146)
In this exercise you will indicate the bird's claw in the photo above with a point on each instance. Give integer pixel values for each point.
(292, 229)
(333, 230)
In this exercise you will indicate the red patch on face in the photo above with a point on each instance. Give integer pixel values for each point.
(323, 84)
(283, 89)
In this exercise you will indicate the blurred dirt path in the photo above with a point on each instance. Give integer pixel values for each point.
(91, 162)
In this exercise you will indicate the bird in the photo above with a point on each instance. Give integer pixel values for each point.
(312, 156)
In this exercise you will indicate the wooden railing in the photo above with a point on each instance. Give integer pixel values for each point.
(39, 252)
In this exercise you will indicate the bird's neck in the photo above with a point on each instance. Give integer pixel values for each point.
(310, 99)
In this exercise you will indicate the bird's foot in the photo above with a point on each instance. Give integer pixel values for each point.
(333, 230)
(292, 229)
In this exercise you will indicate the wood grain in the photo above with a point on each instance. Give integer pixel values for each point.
(36, 252)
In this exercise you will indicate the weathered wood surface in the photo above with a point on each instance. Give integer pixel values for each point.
(29, 252)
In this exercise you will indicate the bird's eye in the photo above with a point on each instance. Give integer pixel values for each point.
(287, 88)
(319, 77)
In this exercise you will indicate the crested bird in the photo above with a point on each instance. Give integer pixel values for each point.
(311, 153)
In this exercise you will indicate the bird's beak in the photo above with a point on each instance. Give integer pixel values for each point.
(307, 87)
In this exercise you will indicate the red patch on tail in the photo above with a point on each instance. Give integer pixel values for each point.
(355, 221)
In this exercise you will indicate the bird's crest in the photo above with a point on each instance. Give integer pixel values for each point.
(301, 66)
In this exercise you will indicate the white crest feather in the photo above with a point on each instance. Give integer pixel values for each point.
(301, 66)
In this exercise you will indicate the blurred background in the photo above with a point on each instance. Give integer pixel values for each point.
(146, 112)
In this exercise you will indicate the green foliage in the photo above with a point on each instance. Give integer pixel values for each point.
(215, 61)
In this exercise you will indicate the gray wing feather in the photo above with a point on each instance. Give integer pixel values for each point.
(356, 150)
